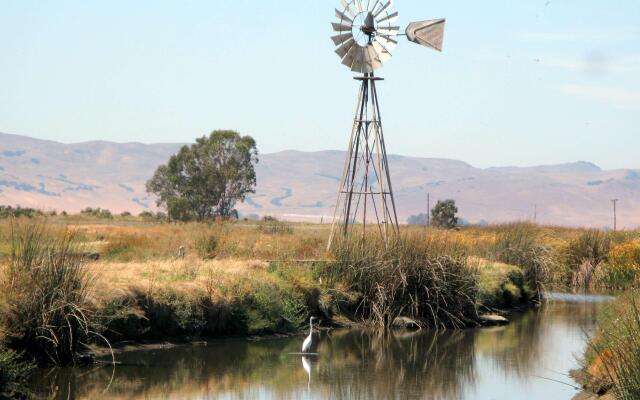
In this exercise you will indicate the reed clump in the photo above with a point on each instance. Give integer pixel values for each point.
(522, 244)
(413, 276)
(584, 258)
(47, 310)
(613, 357)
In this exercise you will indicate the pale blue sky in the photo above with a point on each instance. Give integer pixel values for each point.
(521, 82)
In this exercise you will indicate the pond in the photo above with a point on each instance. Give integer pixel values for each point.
(524, 360)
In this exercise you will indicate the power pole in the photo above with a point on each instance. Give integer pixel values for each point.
(428, 209)
(535, 213)
(615, 215)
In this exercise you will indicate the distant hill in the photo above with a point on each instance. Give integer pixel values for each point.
(302, 186)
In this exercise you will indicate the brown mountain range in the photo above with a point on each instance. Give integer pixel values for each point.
(302, 186)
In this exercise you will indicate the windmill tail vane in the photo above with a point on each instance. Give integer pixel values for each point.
(365, 35)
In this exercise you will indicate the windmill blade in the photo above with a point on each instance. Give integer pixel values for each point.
(348, 59)
(344, 49)
(358, 3)
(358, 60)
(383, 54)
(388, 19)
(428, 33)
(340, 27)
(376, 3)
(372, 58)
(384, 8)
(343, 17)
(389, 30)
(387, 42)
(339, 39)
(347, 8)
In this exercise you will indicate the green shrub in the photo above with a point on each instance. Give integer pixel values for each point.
(503, 286)
(14, 373)
(270, 307)
(17, 212)
(97, 212)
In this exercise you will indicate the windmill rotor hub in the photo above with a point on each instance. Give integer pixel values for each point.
(369, 26)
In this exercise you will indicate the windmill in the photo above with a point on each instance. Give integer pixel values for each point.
(365, 36)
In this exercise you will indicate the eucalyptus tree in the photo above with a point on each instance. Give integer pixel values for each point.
(206, 179)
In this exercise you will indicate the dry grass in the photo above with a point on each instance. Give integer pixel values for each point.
(190, 275)
(553, 255)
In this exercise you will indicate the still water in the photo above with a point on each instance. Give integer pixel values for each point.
(511, 362)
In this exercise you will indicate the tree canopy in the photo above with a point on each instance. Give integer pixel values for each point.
(206, 179)
(443, 215)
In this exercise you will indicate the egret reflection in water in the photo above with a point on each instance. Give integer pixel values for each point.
(306, 365)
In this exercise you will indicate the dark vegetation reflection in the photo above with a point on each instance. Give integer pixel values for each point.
(350, 364)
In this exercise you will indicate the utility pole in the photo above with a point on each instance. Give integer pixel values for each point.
(615, 215)
(535, 213)
(428, 209)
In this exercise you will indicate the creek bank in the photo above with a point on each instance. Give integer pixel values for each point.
(592, 389)
(277, 300)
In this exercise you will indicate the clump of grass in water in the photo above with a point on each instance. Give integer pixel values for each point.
(413, 276)
(520, 244)
(46, 292)
(614, 351)
(584, 255)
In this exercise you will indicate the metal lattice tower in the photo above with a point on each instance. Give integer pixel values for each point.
(365, 38)
(365, 194)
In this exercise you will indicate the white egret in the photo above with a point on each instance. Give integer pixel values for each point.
(306, 345)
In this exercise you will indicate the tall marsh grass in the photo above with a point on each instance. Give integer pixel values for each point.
(413, 277)
(521, 244)
(47, 309)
